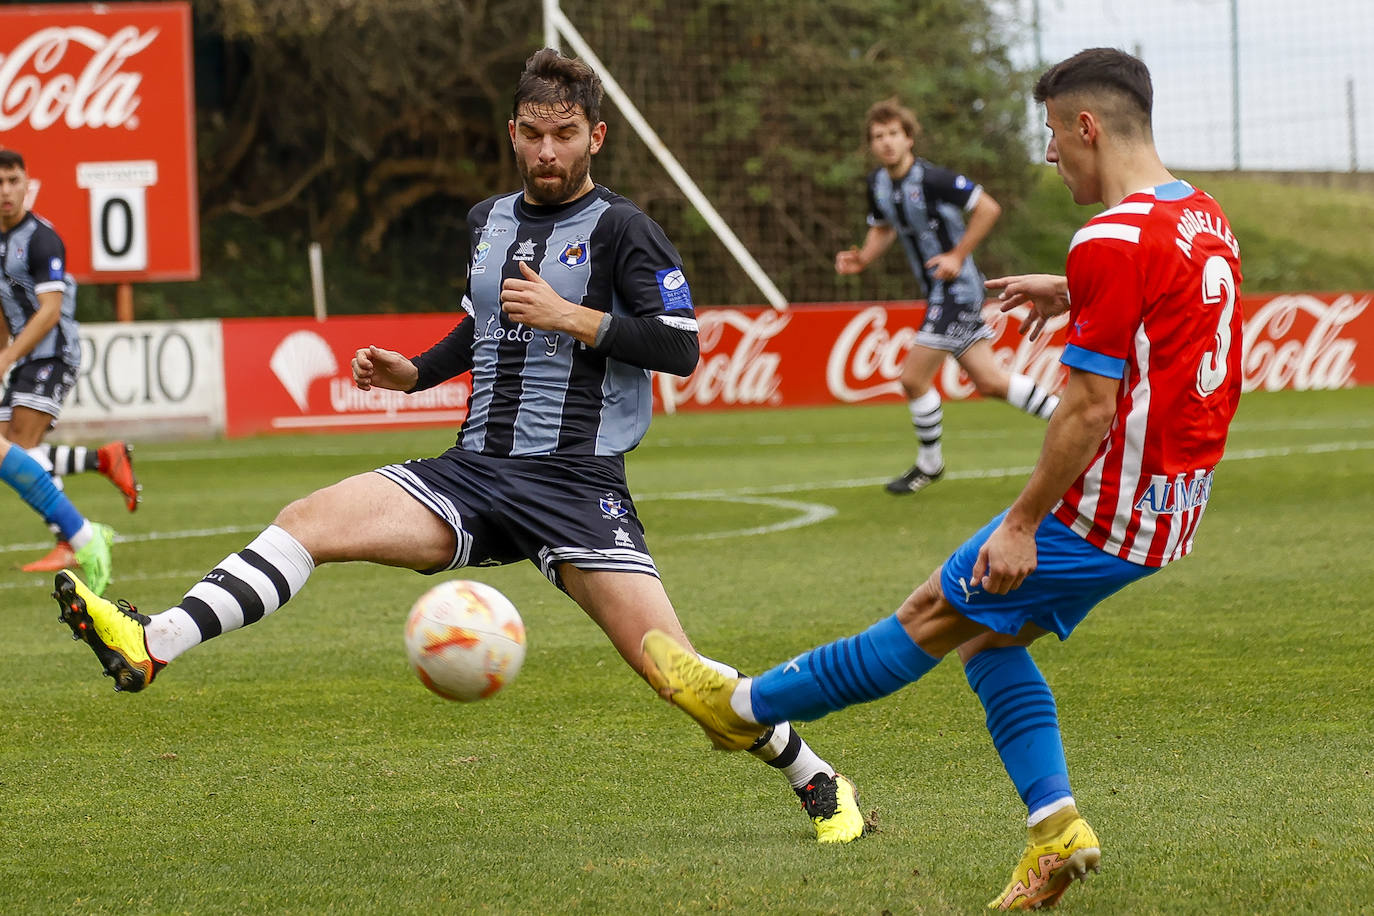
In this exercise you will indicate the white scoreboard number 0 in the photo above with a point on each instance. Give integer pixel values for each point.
(119, 212)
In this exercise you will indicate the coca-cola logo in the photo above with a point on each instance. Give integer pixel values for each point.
(745, 374)
(1323, 359)
(866, 359)
(101, 94)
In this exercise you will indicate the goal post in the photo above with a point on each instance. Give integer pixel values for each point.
(557, 26)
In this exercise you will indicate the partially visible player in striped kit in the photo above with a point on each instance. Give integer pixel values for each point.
(1123, 478)
(42, 354)
(573, 296)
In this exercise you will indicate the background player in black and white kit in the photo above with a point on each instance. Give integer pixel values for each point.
(923, 205)
(574, 295)
(43, 352)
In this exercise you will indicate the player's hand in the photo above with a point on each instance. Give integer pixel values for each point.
(849, 261)
(946, 266)
(531, 301)
(1006, 558)
(1046, 295)
(374, 367)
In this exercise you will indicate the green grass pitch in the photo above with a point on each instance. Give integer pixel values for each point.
(1217, 717)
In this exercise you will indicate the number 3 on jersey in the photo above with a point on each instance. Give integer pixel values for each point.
(1218, 286)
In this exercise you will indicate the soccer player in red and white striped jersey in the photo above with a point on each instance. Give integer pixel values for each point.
(1153, 282)
(1125, 471)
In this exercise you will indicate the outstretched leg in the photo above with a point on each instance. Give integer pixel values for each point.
(367, 517)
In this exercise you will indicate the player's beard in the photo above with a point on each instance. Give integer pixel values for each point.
(572, 180)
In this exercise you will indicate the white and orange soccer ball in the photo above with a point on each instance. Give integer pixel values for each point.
(465, 640)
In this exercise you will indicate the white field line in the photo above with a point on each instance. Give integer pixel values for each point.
(807, 513)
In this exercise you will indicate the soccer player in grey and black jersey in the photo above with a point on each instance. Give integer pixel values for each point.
(41, 353)
(574, 295)
(923, 206)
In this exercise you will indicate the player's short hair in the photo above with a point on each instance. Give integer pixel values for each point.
(1119, 81)
(553, 81)
(887, 111)
(10, 159)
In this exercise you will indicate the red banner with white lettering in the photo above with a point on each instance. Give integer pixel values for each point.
(97, 98)
(292, 374)
(853, 352)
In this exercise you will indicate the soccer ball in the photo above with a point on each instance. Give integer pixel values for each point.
(465, 640)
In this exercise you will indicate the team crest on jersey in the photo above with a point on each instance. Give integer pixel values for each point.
(612, 508)
(915, 194)
(479, 255)
(524, 251)
(574, 253)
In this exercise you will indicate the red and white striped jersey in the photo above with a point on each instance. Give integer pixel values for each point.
(1154, 286)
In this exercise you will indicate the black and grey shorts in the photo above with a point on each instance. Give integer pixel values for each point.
(548, 510)
(953, 325)
(40, 384)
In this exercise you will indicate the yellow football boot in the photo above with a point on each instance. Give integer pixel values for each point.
(1061, 850)
(703, 693)
(833, 806)
(115, 632)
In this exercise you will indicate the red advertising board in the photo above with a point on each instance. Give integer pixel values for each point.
(98, 100)
(295, 374)
(291, 374)
(853, 352)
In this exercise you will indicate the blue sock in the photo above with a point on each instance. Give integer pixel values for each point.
(19, 470)
(1023, 722)
(852, 670)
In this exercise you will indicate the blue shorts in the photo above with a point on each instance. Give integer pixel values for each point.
(1070, 578)
(546, 510)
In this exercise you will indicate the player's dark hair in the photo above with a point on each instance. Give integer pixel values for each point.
(1098, 70)
(553, 81)
(10, 159)
(887, 111)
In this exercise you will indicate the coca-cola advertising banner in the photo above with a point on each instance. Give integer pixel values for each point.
(98, 99)
(853, 352)
(291, 374)
(295, 374)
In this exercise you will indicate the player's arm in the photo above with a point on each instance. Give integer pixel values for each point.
(531, 301)
(877, 241)
(448, 358)
(43, 321)
(981, 217)
(1076, 429)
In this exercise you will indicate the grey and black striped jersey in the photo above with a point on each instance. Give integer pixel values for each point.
(33, 260)
(927, 209)
(543, 393)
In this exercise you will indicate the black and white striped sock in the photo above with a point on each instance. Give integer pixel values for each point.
(71, 459)
(1023, 393)
(243, 589)
(927, 418)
